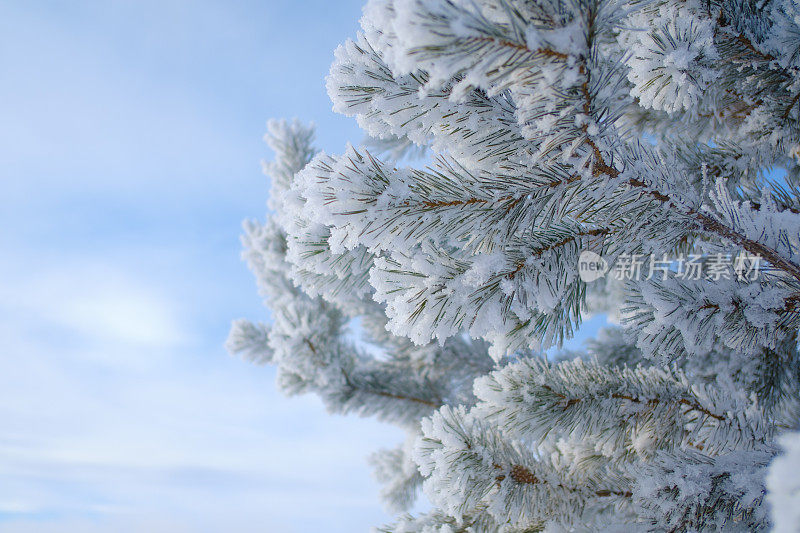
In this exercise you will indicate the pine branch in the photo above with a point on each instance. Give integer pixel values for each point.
(704, 222)
(642, 409)
(539, 117)
(388, 394)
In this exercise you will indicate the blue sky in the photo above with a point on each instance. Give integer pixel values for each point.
(130, 153)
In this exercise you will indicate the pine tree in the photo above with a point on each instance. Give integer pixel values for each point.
(662, 136)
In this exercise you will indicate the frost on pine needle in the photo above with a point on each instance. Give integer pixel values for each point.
(639, 139)
(672, 55)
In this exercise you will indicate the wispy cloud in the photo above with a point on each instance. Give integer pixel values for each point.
(109, 414)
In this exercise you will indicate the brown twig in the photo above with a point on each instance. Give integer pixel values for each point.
(523, 475)
(693, 406)
(791, 105)
(394, 396)
(521, 47)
